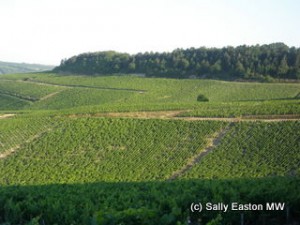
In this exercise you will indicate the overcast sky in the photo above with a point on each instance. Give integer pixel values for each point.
(46, 31)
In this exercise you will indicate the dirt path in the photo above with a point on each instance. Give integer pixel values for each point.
(9, 152)
(50, 95)
(212, 144)
(176, 116)
(142, 115)
(4, 116)
(12, 150)
(274, 119)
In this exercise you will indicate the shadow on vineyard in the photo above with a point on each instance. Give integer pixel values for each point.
(151, 202)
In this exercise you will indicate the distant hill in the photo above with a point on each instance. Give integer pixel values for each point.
(264, 62)
(8, 67)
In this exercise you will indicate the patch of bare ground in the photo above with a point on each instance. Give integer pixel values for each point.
(175, 114)
(142, 115)
(4, 116)
(50, 95)
(238, 119)
(12, 150)
(273, 117)
(38, 83)
(212, 143)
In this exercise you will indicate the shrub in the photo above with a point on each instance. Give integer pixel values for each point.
(202, 98)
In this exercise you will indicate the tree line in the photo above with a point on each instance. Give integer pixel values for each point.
(275, 60)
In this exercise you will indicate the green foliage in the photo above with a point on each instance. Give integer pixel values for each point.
(79, 204)
(247, 108)
(275, 60)
(18, 130)
(130, 93)
(26, 90)
(254, 150)
(202, 98)
(216, 221)
(76, 97)
(8, 102)
(95, 149)
(66, 170)
(128, 216)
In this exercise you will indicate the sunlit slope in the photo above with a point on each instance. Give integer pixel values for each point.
(26, 90)
(19, 130)
(113, 150)
(161, 89)
(131, 93)
(253, 150)
(93, 150)
(9, 67)
(8, 102)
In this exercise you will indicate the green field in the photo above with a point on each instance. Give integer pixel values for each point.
(131, 93)
(8, 102)
(254, 150)
(69, 155)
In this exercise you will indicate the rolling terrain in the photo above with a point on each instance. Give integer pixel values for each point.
(136, 150)
(9, 67)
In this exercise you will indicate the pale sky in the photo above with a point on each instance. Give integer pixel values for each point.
(46, 31)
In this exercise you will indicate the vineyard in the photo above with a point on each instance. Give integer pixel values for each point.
(135, 150)
(17, 130)
(237, 109)
(110, 150)
(131, 93)
(12, 103)
(254, 150)
(25, 90)
(79, 97)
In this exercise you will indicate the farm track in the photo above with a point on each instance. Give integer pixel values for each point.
(5, 116)
(176, 116)
(12, 150)
(50, 95)
(213, 142)
(141, 115)
(28, 99)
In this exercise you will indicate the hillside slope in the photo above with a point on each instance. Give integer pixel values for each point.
(9, 67)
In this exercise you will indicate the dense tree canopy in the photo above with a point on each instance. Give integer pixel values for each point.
(259, 62)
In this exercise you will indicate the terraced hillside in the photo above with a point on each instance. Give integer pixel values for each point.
(132, 150)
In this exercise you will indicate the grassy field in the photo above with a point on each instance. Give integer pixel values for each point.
(68, 155)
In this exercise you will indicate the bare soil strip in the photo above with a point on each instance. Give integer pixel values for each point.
(15, 148)
(4, 116)
(176, 115)
(213, 142)
(49, 96)
(142, 115)
(237, 119)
